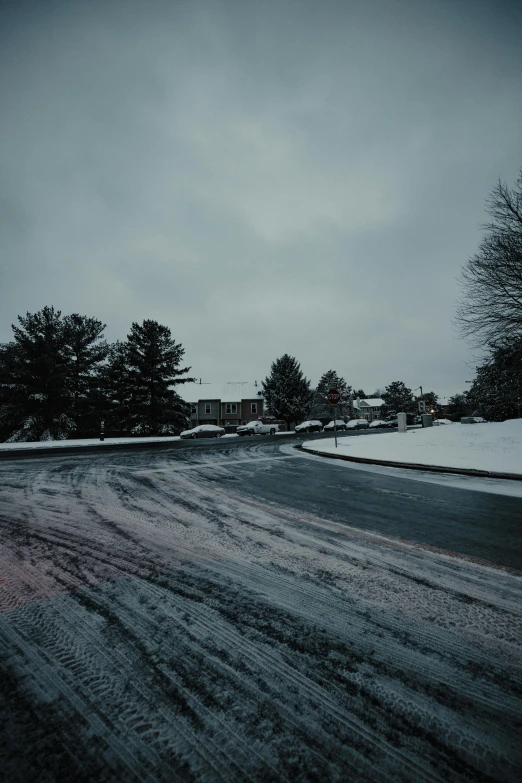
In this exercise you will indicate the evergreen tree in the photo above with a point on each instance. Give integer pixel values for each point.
(35, 383)
(10, 403)
(287, 392)
(359, 394)
(87, 350)
(458, 406)
(116, 388)
(321, 408)
(153, 366)
(496, 392)
(397, 399)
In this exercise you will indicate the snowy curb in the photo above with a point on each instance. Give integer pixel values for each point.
(415, 465)
(69, 447)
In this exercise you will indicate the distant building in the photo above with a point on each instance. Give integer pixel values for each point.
(368, 409)
(227, 404)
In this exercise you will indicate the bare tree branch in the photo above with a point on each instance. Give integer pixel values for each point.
(491, 281)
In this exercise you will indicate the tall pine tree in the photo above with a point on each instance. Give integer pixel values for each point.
(287, 392)
(153, 359)
(116, 388)
(36, 390)
(321, 408)
(87, 351)
(397, 399)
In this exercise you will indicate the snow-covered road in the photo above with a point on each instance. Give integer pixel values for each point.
(158, 623)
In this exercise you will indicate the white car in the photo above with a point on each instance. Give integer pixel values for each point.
(310, 426)
(357, 424)
(339, 425)
(203, 431)
(258, 427)
(378, 424)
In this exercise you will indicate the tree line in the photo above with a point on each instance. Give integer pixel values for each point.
(59, 378)
(289, 395)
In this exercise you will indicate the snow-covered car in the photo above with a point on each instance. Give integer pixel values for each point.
(258, 427)
(437, 422)
(378, 424)
(340, 425)
(357, 424)
(310, 426)
(203, 431)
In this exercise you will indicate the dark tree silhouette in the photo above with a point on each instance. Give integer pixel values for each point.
(287, 392)
(321, 408)
(397, 399)
(153, 360)
(36, 379)
(491, 305)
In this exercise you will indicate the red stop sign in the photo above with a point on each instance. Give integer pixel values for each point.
(333, 396)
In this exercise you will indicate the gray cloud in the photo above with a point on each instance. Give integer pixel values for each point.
(262, 177)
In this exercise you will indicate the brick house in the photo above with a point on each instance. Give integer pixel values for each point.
(228, 404)
(369, 409)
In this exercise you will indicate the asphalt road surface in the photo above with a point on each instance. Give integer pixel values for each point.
(237, 610)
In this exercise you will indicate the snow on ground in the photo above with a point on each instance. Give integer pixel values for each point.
(156, 624)
(78, 443)
(471, 483)
(493, 447)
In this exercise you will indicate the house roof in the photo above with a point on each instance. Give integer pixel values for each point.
(369, 403)
(226, 392)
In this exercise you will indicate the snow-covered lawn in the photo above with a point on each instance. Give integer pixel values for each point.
(495, 447)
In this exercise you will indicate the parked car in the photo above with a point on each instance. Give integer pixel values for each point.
(340, 425)
(358, 424)
(310, 426)
(378, 424)
(203, 431)
(259, 427)
(391, 423)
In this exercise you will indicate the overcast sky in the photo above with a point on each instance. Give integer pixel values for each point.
(262, 177)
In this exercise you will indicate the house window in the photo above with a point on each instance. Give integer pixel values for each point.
(207, 407)
(193, 409)
(253, 407)
(230, 407)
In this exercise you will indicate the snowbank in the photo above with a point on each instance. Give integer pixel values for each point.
(63, 444)
(67, 444)
(493, 447)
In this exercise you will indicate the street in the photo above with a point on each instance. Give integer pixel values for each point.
(237, 610)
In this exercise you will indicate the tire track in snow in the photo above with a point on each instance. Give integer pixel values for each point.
(280, 564)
